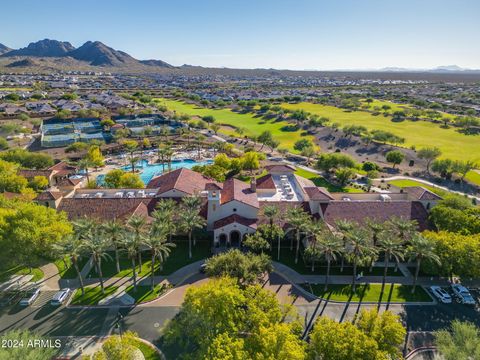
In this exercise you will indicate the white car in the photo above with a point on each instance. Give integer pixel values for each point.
(463, 294)
(441, 294)
(60, 297)
(30, 296)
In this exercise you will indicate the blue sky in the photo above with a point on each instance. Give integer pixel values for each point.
(283, 34)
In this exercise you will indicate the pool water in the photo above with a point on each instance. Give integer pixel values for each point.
(149, 171)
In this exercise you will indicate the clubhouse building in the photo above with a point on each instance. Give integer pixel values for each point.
(233, 208)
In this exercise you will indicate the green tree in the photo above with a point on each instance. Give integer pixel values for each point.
(131, 181)
(385, 328)
(95, 157)
(265, 138)
(429, 154)
(421, 248)
(302, 144)
(165, 215)
(137, 225)
(246, 268)
(159, 248)
(359, 250)
(256, 242)
(327, 162)
(118, 347)
(340, 341)
(39, 183)
(392, 247)
(97, 245)
(84, 164)
(395, 157)
(343, 175)
(73, 247)
(330, 246)
(190, 219)
(460, 342)
(115, 233)
(297, 219)
(225, 346)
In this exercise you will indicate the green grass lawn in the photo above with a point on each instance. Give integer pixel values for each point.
(319, 180)
(20, 270)
(473, 177)
(69, 271)
(144, 293)
(148, 352)
(93, 294)
(252, 124)
(178, 258)
(287, 257)
(369, 293)
(454, 145)
(407, 183)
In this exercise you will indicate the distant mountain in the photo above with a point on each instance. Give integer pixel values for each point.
(156, 63)
(99, 54)
(95, 53)
(43, 48)
(4, 49)
(438, 69)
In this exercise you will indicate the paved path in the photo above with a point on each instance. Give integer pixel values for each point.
(400, 177)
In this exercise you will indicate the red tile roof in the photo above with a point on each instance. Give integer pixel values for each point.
(380, 211)
(68, 182)
(185, 180)
(234, 189)
(280, 168)
(63, 166)
(104, 209)
(30, 174)
(49, 195)
(266, 182)
(235, 219)
(318, 193)
(420, 193)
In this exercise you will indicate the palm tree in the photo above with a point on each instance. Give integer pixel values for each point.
(192, 204)
(420, 249)
(297, 219)
(82, 227)
(189, 221)
(131, 245)
(376, 228)
(344, 226)
(85, 164)
(114, 231)
(360, 248)
(137, 225)
(330, 246)
(74, 248)
(312, 253)
(271, 212)
(391, 247)
(403, 228)
(159, 248)
(97, 245)
(165, 215)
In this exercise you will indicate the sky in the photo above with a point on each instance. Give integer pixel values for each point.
(281, 34)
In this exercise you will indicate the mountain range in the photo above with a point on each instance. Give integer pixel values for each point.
(94, 53)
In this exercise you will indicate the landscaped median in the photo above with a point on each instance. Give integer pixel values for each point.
(393, 293)
(144, 293)
(92, 296)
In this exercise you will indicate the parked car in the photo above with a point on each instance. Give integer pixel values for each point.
(60, 297)
(463, 294)
(30, 296)
(203, 268)
(441, 294)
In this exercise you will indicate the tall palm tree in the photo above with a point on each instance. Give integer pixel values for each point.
(97, 245)
(376, 228)
(344, 226)
(137, 224)
(297, 220)
(115, 232)
(403, 228)
(271, 212)
(159, 248)
(330, 246)
(165, 215)
(85, 164)
(131, 245)
(420, 249)
(359, 249)
(189, 221)
(391, 247)
(74, 248)
(312, 253)
(82, 227)
(192, 204)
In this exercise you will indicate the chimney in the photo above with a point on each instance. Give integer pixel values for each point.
(253, 184)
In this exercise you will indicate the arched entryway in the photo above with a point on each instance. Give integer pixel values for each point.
(235, 237)
(222, 240)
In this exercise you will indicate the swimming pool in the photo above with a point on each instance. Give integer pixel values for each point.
(149, 171)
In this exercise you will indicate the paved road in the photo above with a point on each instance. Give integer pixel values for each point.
(148, 320)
